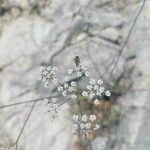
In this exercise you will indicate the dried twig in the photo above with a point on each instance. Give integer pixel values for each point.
(96, 67)
(78, 102)
(28, 101)
(24, 125)
(114, 64)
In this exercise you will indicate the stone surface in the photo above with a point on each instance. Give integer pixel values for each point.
(65, 29)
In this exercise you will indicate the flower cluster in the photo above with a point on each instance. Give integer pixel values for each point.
(68, 88)
(53, 107)
(47, 73)
(85, 123)
(79, 71)
(95, 89)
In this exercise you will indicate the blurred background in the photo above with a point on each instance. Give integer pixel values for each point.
(44, 32)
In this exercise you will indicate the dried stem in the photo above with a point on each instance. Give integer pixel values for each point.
(78, 100)
(114, 64)
(29, 101)
(64, 102)
(24, 125)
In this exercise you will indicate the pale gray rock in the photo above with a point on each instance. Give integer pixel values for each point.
(70, 28)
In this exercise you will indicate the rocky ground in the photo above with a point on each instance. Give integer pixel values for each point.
(35, 33)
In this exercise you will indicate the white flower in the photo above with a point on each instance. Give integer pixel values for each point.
(88, 125)
(70, 71)
(92, 81)
(92, 95)
(70, 89)
(100, 82)
(77, 68)
(85, 123)
(55, 106)
(107, 93)
(74, 97)
(89, 87)
(66, 85)
(101, 89)
(84, 118)
(47, 74)
(84, 67)
(96, 102)
(49, 68)
(82, 125)
(41, 68)
(98, 93)
(46, 100)
(75, 118)
(73, 83)
(95, 87)
(44, 79)
(54, 68)
(64, 93)
(92, 117)
(97, 126)
(87, 74)
(79, 74)
(54, 100)
(39, 78)
(85, 94)
(60, 88)
(67, 89)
